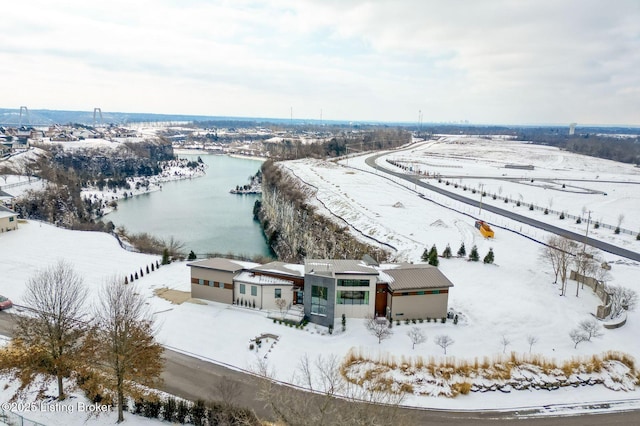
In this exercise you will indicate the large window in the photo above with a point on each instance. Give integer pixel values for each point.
(254, 290)
(278, 293)
(353, 283)
(242, 289)
(353, 298)
(318, 300)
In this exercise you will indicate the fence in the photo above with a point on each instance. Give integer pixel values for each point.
(599, 289)
(12, 419)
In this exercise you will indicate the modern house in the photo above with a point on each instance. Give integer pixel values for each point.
(8, 219)
(327, 288)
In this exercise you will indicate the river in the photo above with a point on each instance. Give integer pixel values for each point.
(200, 212)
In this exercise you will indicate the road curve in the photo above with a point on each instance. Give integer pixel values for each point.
(193, 378)
(609, 248)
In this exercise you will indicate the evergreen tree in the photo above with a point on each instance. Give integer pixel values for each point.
(165, 256)
(462, 252)
(425, 255)
(474, 256)
(433, 251)
(192, 255)
(489, 257)
(447, 252)
(433, 258)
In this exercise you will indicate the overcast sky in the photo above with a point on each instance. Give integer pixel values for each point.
(489, 61)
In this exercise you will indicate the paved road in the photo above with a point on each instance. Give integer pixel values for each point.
(610, 248)
(193, 378)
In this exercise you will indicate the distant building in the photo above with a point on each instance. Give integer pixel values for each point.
(8, 219)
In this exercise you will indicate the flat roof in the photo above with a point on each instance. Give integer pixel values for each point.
(292, 269)
(222, 264)
(251, 278)
(337, 266)
(415, 277)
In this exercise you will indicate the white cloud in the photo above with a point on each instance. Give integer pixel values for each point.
(492, 61)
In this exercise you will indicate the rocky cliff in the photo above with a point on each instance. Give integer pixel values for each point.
(295, 229)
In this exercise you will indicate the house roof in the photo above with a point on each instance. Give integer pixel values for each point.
(282, 268)
(337, 266)
(251, 278)
(5, 212)
(414, 277)
(222, 264)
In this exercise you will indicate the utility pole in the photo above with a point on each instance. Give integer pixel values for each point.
(481, 192)
(586, 234)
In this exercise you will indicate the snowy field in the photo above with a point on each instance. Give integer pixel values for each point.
(513, 298)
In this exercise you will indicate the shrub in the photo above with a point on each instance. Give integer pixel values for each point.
(398, 322)
(198, 413)
(251, 346)
(447, 252)
(561, 215)
(531, 207)
(413, 321)
(474, 256)
(443, 320)
(518, 203)
(152, 409)
(489, 257)
(182, 411)
(428, 319)
(455, 319)
(406, 321)
(169, 409)
(596, 225)
(617, 230)
(330, 329)
(462, 251)
(578, 221)
(546, 211)
(638, 236)
(420, 320)
(506, 200)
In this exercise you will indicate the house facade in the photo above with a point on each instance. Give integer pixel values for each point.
(212, 279)
(8, 219)
(327, 288)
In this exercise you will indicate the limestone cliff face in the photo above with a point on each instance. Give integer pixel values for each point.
(295, 229)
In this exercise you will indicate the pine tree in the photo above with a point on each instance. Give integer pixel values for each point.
(433, 251)
(447, 252)
(192, 255)
(433, 258)
(474, 256)
(425, 255)
(462, 252)
(489, 257)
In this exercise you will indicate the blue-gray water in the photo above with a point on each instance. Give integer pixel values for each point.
(200, 212)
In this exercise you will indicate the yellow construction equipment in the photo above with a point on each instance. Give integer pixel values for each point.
(484, 229)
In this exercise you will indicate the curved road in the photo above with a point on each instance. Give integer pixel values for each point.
(610, 248)
(193, 378)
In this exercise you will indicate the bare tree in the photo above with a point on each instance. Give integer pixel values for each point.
(505, 341)
(123, 341)
(620, 219)
(56, 296)
(622, 298)
(282, 305)
(444, 341)
(228, 389)
(334, 400)
(585, 263)
(559, 251)
(591, 328)
(379, 327)
(531, 340)
(417, 336)
(577, 336)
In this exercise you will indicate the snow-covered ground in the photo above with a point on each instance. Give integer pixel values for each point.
(514, 298)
